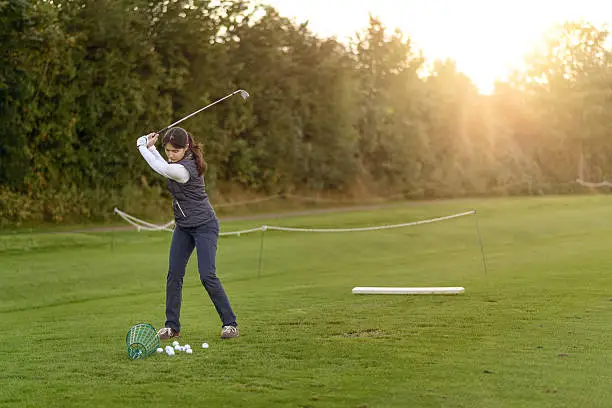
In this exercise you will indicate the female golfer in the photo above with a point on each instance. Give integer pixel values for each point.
(196, 226)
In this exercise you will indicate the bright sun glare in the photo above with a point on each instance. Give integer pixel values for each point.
(487, 39)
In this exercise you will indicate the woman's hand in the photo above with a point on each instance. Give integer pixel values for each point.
(152, 139)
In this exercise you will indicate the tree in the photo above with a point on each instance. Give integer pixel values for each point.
(570, 87)
(390, 137)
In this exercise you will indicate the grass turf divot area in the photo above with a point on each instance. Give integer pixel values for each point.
(532, 332)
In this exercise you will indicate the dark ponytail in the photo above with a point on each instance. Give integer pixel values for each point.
(180, 138)
(198, 155)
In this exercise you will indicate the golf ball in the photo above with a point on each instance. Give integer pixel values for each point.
(175, 343)
(177, 348)
(187, 346)
(160, 350)
(189, 351)
(204, 345)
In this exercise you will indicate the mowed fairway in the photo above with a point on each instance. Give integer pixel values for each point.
(532, 332)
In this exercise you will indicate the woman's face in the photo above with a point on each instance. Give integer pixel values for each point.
(173, 153)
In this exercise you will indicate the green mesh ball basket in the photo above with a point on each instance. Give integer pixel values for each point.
(142, 340)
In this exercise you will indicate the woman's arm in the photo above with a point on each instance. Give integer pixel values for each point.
(172, 171)
(158, 156)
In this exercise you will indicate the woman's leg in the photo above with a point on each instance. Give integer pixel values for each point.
(206, 244)
(180, 250)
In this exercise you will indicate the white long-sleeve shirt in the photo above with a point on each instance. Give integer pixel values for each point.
(169, 170)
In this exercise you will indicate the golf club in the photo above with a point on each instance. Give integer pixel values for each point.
(242, 93)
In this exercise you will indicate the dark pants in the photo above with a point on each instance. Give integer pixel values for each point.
(184, 240)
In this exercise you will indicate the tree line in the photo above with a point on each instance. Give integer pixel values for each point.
(80, 80)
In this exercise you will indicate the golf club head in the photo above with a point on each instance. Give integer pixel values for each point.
(244, 94)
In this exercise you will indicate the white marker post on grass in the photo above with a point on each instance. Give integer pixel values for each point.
(407, 291)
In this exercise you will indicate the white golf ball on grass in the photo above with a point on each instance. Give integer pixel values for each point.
(204, 345)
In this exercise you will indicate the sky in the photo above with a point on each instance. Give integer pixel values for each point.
(486, 38)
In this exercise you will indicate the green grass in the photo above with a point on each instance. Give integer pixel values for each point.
(532, 332)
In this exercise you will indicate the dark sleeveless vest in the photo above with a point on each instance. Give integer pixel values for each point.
(189, 200)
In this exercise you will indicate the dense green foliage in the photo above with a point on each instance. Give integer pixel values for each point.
(80, 80)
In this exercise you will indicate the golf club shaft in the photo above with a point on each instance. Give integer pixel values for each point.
(198, 111)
